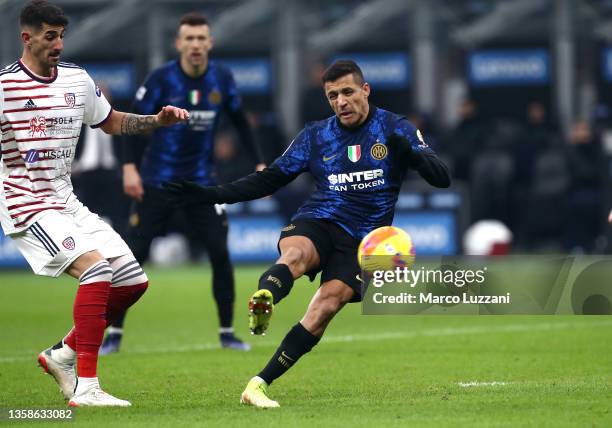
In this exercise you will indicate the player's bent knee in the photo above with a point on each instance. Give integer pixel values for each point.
(128, 272)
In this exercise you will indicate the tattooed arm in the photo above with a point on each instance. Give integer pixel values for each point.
(120, 123)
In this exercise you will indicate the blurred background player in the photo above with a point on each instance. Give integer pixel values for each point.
(43, 103)
(185, 152)
(359, 158)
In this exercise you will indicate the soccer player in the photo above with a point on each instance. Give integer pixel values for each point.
(185, 151)
(43, 103)
(358, 158)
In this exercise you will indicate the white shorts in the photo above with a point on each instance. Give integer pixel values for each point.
(58, 238)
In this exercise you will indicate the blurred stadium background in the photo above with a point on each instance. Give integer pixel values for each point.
(514, 95)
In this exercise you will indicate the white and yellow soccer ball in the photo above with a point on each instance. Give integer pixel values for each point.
(386, 248)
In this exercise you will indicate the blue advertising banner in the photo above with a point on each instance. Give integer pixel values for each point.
(254, 238)
(433, 232)
(509, 67)
(252, 75)
(384, 70)
(118, 77)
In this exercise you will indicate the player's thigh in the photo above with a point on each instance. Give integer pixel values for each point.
(306, 242)
(149, 217)
(59, 238)
(209, 225)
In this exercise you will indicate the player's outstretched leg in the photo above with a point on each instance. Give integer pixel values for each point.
(326, 303)
(274, 285)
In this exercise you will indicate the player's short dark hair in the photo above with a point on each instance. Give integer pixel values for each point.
(341, 68)
(193, 19)
(39, 12)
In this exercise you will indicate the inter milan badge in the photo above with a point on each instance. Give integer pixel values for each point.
(68, 243)
(354, 153)
(378, 151)
(195, 96)
(214, 97)
(70, 99)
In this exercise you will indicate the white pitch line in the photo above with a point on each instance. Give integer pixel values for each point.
(372, 337)
(472, 384)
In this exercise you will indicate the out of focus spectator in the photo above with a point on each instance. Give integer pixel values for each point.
(314, 106)
(585, 199)
(465, 140)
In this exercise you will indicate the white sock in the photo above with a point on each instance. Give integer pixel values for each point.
(84, 384)
(225, 330)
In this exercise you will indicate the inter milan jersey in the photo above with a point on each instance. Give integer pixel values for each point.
(185, 151)
(357, 179)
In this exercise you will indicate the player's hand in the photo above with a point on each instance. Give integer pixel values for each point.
(610, 217)
(190, 192)
(260, 167)
(170, 115)
(132, 183)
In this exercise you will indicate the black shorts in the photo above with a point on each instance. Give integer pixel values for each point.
(337, 251)
(158, 213)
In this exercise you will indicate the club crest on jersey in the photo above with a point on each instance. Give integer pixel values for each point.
(38, 125)
(68, 243)
(214, 97)
(379, 151)
(70, 99)
(195, 96)
(354, 152)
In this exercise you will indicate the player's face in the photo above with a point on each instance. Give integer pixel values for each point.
(348, 99)
(193, 42)
(45, 44)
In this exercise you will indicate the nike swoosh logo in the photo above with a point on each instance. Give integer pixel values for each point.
(328, 158)
(358, 278)
(286, 356)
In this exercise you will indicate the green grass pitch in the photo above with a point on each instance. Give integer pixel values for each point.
(370, 371)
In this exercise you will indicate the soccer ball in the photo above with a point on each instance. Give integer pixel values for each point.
(385, 248)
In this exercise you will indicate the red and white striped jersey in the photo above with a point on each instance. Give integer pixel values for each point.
(40, 121)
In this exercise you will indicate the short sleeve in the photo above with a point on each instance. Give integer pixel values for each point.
(148, 96)
(233, 102)
(417, 141)
(296, 158)
(97, 108)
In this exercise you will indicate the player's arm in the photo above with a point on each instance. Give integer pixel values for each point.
(420, 158)
(235, 110)
(121, 123)
(241, 123)
(262, 183)
(253, 186)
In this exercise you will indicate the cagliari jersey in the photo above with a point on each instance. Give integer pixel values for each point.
(40, 121)
(185, 150)
(357, 178)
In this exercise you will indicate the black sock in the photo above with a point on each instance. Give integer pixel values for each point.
(295, 344)
(279, 280)
(118, 322)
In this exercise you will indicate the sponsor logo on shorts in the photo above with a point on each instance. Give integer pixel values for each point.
(378, 151)
(288, 228)
(68, 243)
(98, 91)
(70, 99)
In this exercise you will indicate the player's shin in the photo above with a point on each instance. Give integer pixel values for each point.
(90, 316)
(296, 343)
(278, 280)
